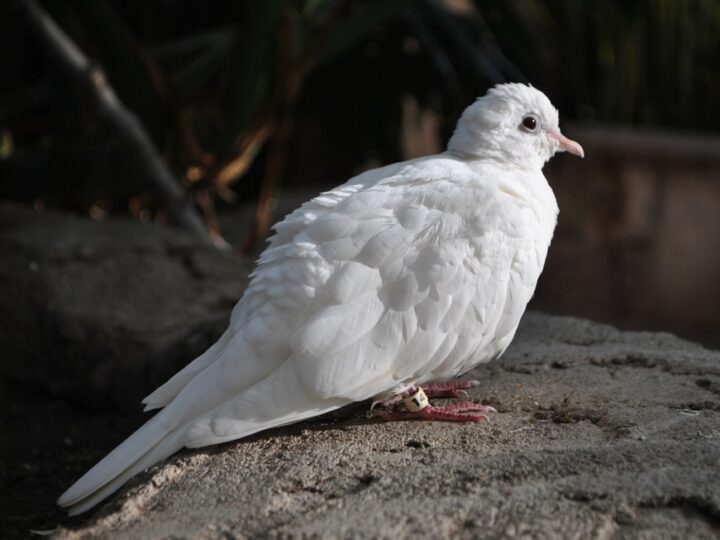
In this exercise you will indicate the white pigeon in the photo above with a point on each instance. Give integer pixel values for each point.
(405, 274)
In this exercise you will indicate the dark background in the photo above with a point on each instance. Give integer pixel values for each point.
(253, 107)
(249, 101)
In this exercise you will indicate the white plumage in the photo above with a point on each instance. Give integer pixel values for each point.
(408, 273)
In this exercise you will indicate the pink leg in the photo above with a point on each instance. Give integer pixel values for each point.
(450, 389)
(456, 412)
(465, 411)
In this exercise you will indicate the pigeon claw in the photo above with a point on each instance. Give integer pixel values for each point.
(418, 408)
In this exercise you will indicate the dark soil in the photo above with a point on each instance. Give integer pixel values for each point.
(47, 445)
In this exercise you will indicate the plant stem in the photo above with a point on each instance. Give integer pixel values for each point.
(90, 80)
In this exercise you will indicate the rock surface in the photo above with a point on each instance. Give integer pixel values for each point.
(97, 313)
(599, 434)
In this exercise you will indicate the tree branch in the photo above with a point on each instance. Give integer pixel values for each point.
(89, 78)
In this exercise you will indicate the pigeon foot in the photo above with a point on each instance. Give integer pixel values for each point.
(450, 389)
(419, 408)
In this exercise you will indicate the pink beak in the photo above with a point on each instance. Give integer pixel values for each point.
(566, 144)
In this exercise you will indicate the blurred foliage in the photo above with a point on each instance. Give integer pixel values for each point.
(651, 62)
(238, 95)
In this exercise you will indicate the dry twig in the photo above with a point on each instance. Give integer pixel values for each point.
(90, 79)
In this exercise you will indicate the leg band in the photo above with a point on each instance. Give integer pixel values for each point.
(416, 401)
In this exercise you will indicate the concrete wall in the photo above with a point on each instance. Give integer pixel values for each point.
(638, 241)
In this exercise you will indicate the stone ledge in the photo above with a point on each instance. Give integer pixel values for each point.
(599, 433)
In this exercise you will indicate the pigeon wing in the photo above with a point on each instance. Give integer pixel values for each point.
(355, 297)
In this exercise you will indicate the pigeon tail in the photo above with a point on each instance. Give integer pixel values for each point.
(253, 410)
(168, 391)
(166, 447)
(156, 440)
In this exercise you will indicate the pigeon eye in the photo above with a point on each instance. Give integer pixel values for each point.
(530, 123)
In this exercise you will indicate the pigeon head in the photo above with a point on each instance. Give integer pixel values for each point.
(513, 123)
